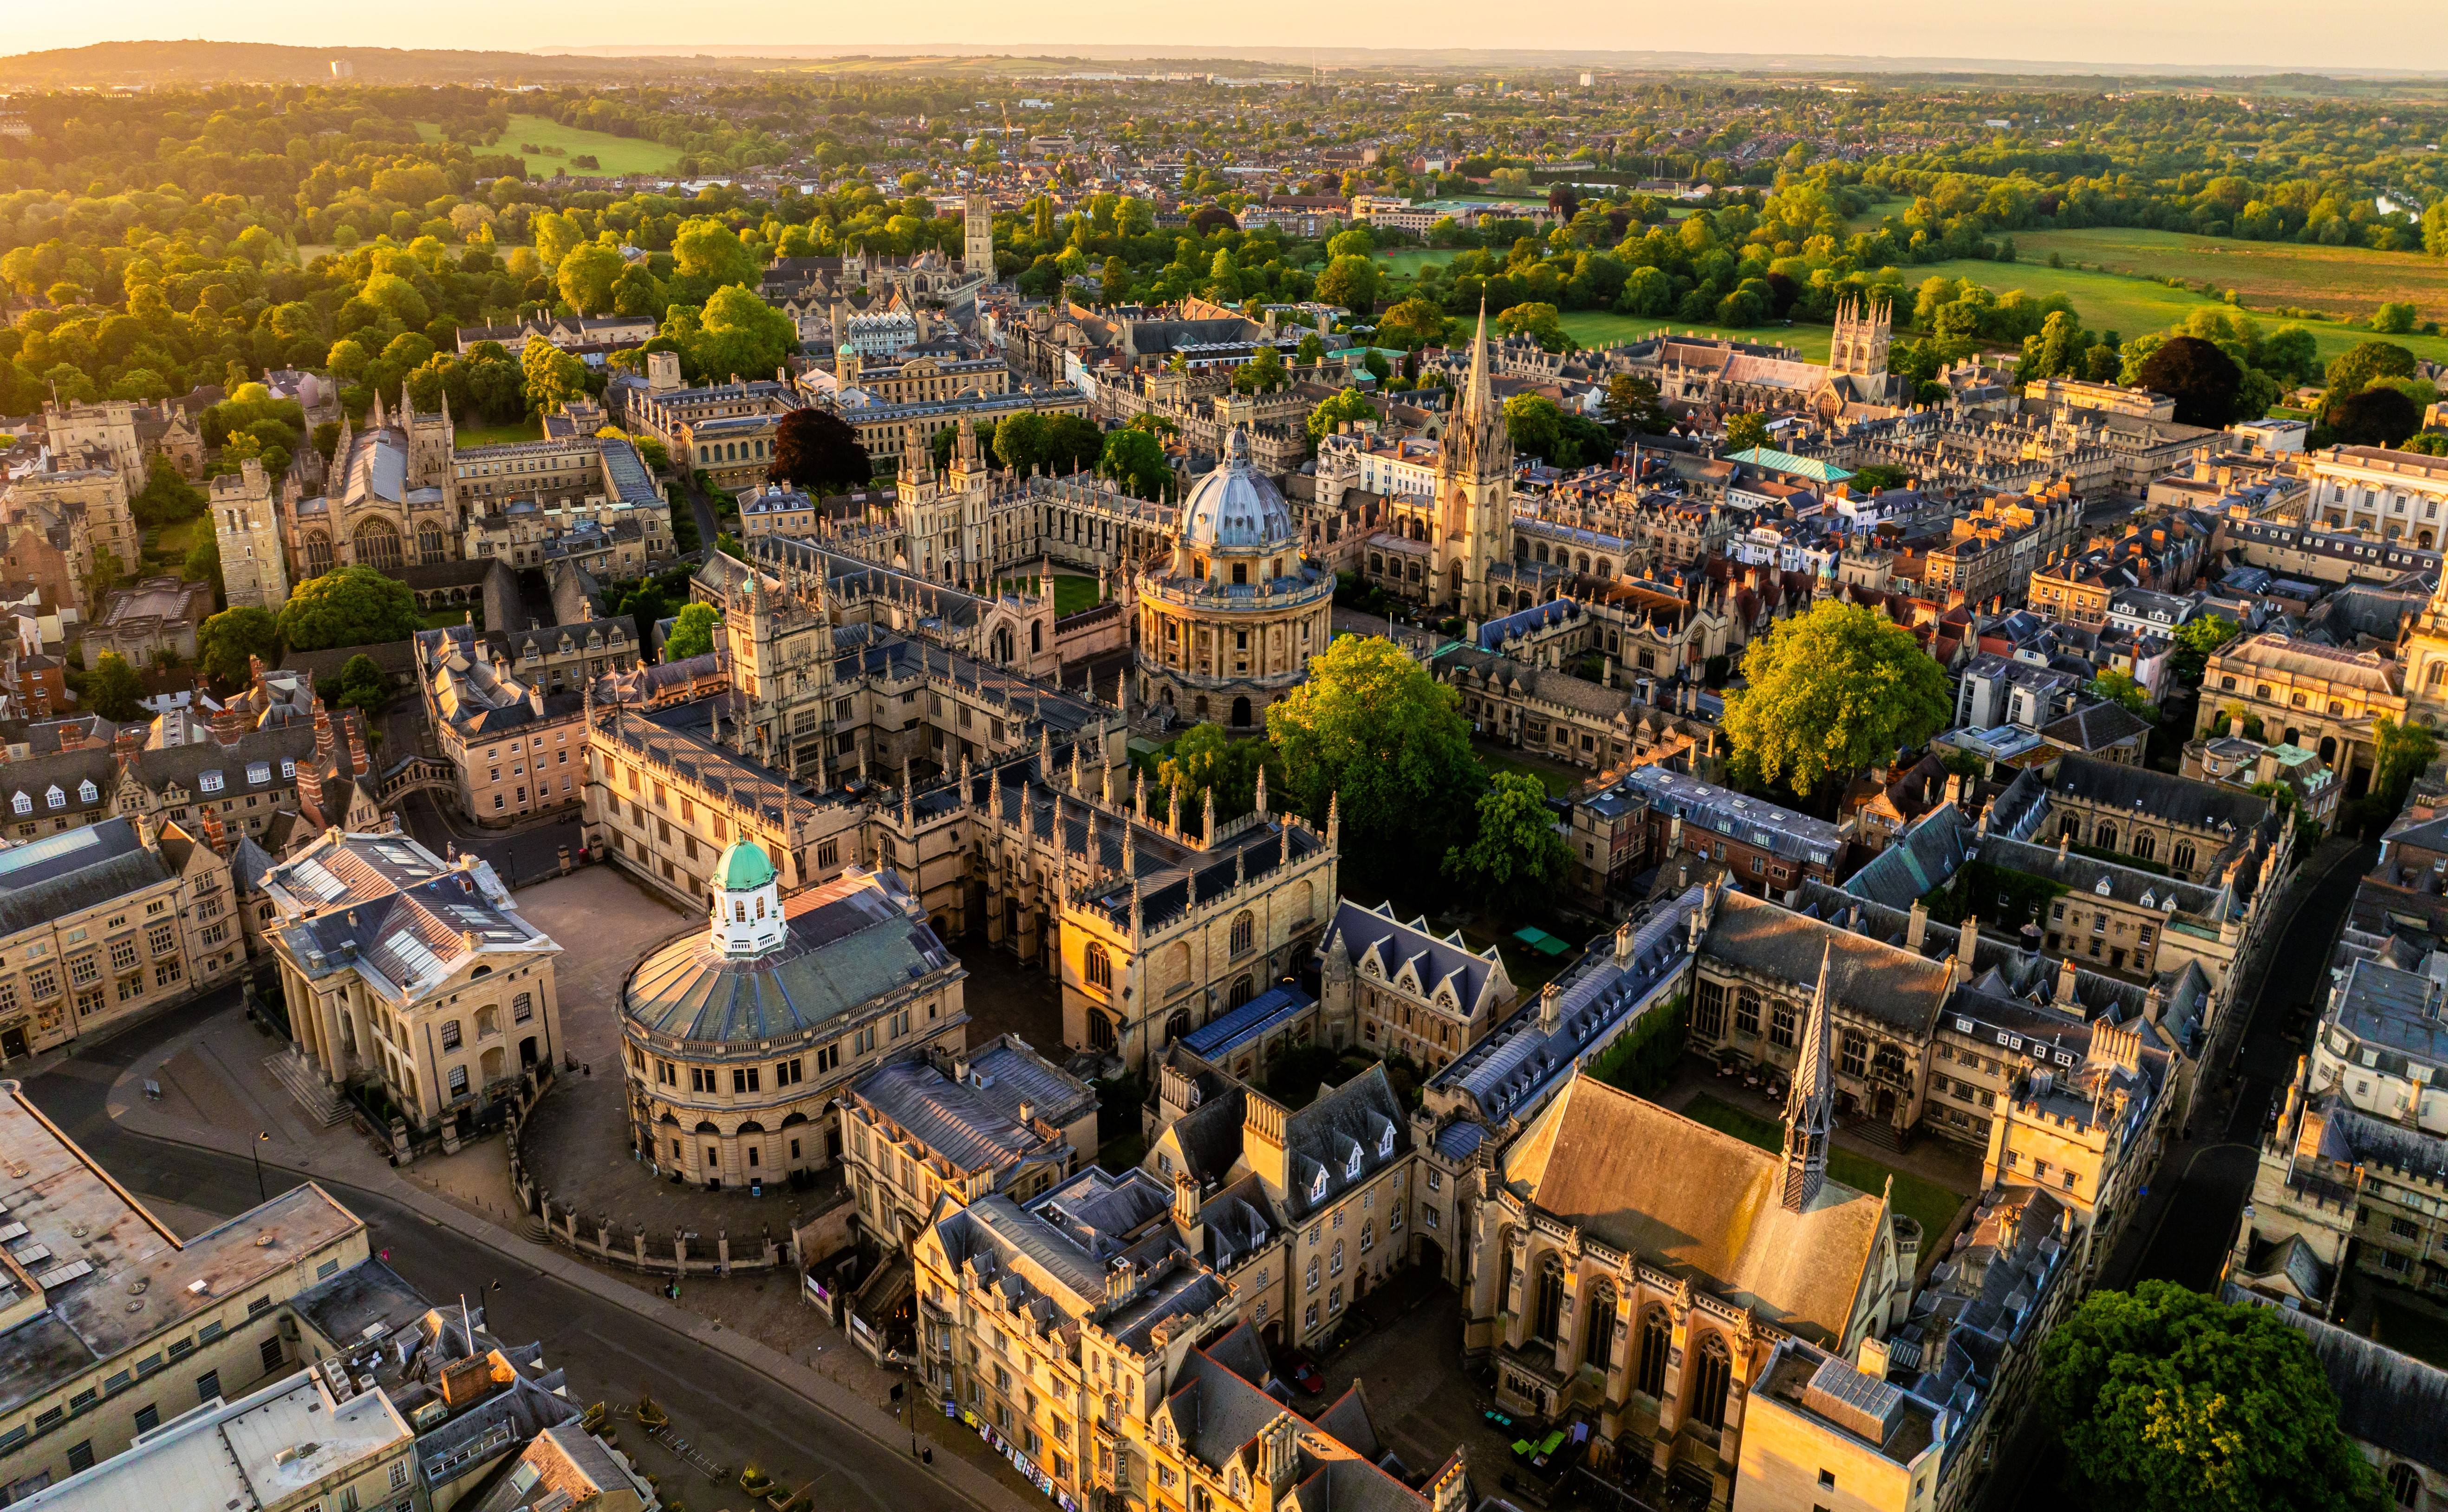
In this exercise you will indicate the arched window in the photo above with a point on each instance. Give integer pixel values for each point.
(1548, 1316)
(2104, 838)
(1243, 990)
(2182, 859)
(1709, 1384)
(428, 542)
(1100, 968)
(1598, 1330)
(318, 553)
(1244, 930)
(1747, 1013)
(2069, 827)
(2144, 845)
(1504, 1270)
(2405, 1484)
(1656, 1339)
(1101, 1031)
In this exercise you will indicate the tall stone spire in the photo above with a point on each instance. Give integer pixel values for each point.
(1810, 1109)
(1477, 444)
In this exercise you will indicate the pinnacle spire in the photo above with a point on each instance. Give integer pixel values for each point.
(1810, 1108)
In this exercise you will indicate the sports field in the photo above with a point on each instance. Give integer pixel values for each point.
(1408, 260)
(2266, 274)
(615, 155)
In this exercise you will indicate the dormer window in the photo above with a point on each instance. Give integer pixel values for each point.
(1351, 1166)
(55, 798)
(88, 793)
(1386, 1141)
(259, 771)
(288, 767)
(210, 782)
(1317, 1184)
(22, 804)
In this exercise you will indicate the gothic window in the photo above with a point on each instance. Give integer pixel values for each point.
(1244, 929)
(1781, 1020)
(1549, 1314)
(1243, 990)
(378, 546)
(1656, 1339)
(1710, 1021)
(1747, 1013)
(428, 542)
(2146, 845)
(2069, 827)
(318, 553)
(1854, 1050)
(1709, 1384)
(2104, 838)
(1597, 1328)
(1100, 968)
(2405, 1484)
(1889, 1063)
(2183, 857)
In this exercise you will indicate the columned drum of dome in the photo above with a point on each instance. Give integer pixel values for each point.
(740, 1034)
(1228, 625)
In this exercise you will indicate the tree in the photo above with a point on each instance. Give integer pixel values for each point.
(1135, 459)
(587, 276)
(1536, 426)
(553, 376)
(1312, 350)
(1746, 432)
(1539, 322)
(1632, 405)
(364, 686)
(2169, 1400)
(2203, 380)
(1351, 282)
(113, 690)
(737, 332)
(1263, 374)
(1374, 727)
(1207, 758)
(1020, 441)
(1829, 693)
(2396, 318)
(2377, 416)
(2401, 752)
(1415, 322)
(227, 642)
(2195, 639)
(712, 253)
(1073, 443)
(815, 450)
(349, 605)
(1349, 403)
(167, 497)
(2117, 686)
(202, 563)
(2365, 363)
(692, 633)
(1516, 856)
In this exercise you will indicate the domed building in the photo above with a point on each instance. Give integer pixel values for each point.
(740, 1036)
(1228, 627)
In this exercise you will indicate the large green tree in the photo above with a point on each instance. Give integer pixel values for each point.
(1829, 693)
(1373, 726)
(225, 643)
(1208, 758)
(2205, 382)
(1135, 459)
(2169, 1400)
(1516, 856)
(2195, 639)
(1349, 404)
(553, 376)
(816, 451)
(692, 632)
(112, 689)
(350, 605)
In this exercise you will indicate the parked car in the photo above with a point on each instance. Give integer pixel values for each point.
(1301, 1371)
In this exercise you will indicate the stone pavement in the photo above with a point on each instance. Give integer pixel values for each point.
(217, 1096)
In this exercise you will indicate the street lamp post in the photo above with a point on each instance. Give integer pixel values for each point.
(252, 1154)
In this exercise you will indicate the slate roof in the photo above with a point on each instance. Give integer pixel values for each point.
(2390, 1401)
(1878, 981)
(974, 1122)
(1698, 1201)
(69, 872)
(2178, 800)
(1375, 933)
(398, 915)
(856, 941)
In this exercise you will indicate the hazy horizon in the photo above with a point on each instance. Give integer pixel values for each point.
(2266, 34)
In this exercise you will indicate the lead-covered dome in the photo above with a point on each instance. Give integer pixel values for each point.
(1235, 507)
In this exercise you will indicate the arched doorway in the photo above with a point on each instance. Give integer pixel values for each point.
(376, 543)
(1240, 712)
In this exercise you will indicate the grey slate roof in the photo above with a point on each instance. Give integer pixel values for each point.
(73, 871)
(2391, 1401)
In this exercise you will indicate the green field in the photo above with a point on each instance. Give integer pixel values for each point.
(2129, 306)
(2266, 275)
(1072, 593)
(1932, 1205)
(617, 154)
(494, 435)
(1592, 328)
(1408, 260)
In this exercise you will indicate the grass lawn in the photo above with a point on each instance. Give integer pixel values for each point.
(1932, 1205)
(2409, 1331)
(494, 435)
(1408, 260)
(439, 618)
(1072, 593)
(2341, 281)
(1559, 781)
(2129, 306)
(616, 154)
(172, 543)
(1597, 327)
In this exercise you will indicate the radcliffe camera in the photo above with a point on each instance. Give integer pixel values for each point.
(1224, 762)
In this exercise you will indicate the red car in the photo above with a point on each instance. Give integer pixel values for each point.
(1301, 1371)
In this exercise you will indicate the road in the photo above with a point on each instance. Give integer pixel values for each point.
(523, 855)
(733, 1414)
(2184, 1237)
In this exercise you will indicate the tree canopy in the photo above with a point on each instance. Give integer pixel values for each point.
(1829, 693)
(1375, 727)
(350, 605)
(112, 689)
(816, 451)
(2169, 1400)
(1516, 854)
(692, 633)
(2205, 381)
(226, 643)
(1206, 758)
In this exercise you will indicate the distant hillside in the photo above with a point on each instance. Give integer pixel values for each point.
(108, 63)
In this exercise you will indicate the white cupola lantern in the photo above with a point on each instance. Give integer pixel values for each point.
(746, 914)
